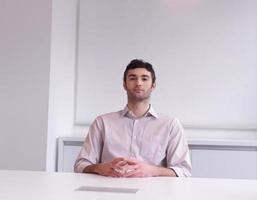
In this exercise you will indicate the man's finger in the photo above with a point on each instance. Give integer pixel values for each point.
(132, 174)
(115, 173)
(132, 167)
(121, 163)
(115, 160)
(132, 162)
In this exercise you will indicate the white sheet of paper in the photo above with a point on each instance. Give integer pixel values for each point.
(107, 189)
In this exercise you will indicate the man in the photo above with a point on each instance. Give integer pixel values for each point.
(136, 141)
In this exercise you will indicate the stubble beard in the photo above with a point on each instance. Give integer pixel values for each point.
(138, 98)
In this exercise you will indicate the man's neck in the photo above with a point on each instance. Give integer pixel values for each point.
(139, 109)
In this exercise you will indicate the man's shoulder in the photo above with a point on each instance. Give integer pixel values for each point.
(110, 115)
(163, 116)
(168, 118)
(170, 121)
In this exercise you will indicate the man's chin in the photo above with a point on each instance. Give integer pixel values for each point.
(140, 98)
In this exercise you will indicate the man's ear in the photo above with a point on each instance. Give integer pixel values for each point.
(124, 85)
(153, 86)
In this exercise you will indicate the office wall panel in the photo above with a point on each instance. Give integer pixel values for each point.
(204, 53)
(216, 163)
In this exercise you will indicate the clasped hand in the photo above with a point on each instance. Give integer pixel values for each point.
(122, 167)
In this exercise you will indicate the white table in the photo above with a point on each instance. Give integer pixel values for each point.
(28, 185)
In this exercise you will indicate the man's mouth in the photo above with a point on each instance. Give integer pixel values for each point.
(138, 90)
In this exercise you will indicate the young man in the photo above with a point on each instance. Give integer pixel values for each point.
(136, 141)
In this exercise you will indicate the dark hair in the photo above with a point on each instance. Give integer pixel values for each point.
(139, 64)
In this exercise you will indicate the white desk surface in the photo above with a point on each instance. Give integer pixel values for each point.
(28, 185)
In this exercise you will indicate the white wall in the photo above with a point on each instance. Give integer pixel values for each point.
(62, 75)
(66, 80)
(204, 54)
(24, 83)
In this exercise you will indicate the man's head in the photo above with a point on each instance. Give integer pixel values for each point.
(139, 64)
(139, 80)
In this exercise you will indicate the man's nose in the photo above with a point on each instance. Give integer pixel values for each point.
(139, 82)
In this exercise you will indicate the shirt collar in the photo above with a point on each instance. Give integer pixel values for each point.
(150, 112)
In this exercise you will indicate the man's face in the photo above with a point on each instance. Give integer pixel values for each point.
(138, 84)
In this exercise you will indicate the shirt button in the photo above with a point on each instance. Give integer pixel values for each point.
(132, 155)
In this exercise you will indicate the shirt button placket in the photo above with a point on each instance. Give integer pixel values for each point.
(133, 138)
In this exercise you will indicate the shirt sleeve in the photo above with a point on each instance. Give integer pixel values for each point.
(178, 156)
(91, 150)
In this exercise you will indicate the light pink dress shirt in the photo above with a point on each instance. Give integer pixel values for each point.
(155, 139)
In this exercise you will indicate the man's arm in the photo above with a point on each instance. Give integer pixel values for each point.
(178, 156)
(140, 169)
(113, 168)
(91, 150)
(120, 167)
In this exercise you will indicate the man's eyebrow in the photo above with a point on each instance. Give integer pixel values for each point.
(144, 75)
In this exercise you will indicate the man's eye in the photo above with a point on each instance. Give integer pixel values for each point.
(145, 79)
(132, 78)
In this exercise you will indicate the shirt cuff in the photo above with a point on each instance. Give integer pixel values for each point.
(79, 168)
(180, 172)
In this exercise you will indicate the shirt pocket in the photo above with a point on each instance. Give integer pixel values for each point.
(153, 150)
